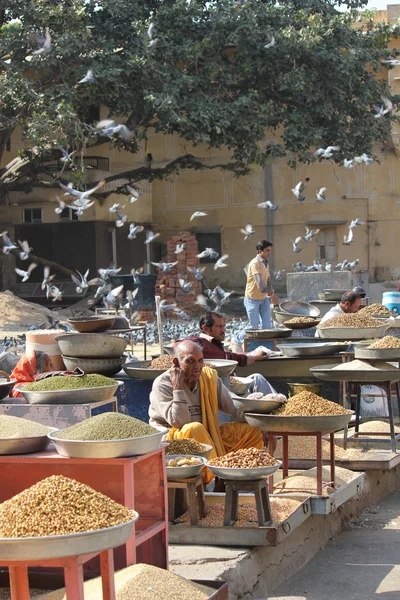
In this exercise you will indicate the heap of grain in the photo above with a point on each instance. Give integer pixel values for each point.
(107, 426)
(300, 320)
(59, 506)
(350, 320)
(361, 365)
(248, 458)
(186, 446)
(307, 404)
(162, 362)
(376, 309)
(389, 341)
(306, 482)
(14, 427)
(69, 382)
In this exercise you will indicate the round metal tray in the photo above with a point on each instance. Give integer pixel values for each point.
(281, 332)
(74, 544)
(244, 474)
(297, 350)
(222, 366)
(91, 324)
(108, 448)
(352, 333)
(91, 345)
(304, 309)
(289, 424)
(386, 354)
(326, 373)
(301, 325)
(257, 406)
(80, 396)
(24, 445)
(101, 366)
(183, 472)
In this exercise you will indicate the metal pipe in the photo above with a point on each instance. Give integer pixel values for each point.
(269, 214)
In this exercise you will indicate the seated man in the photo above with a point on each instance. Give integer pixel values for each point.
(349, 303)
(186, 400)
(211, 340)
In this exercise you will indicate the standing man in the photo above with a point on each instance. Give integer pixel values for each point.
(259, 292)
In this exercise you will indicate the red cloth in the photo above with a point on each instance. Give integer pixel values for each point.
(24, 371)
(215, 349)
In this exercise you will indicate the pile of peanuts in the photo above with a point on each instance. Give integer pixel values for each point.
(183, 461)
(248, 458)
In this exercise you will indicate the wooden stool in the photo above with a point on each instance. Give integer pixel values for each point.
(191, 485)
(260, 489)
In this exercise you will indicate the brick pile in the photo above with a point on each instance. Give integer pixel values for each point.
(167, 286)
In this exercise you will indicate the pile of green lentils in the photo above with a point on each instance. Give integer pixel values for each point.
(69, 382)
(107, 426)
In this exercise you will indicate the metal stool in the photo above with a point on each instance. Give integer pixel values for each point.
(260, 490)
(195, 496)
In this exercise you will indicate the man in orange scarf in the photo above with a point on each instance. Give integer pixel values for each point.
(186, 400)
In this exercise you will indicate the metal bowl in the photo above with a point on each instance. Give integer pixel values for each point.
(298, 350)
(386, 354)
(6, 387)
(74, 544)
(281, 332)
(299, 308)
(334, 294)
(80, 396)
(139, 369)
(183, 472)
(326, 373)
(295, 424)
(244, 474)
(222, 366)
(24, 445)
(91, 345)
(91, 324)
(108, 448)
(313, 323)
(351, 333)
(257, 406)
(101, 366)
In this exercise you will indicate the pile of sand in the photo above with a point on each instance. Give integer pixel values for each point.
(18, 315)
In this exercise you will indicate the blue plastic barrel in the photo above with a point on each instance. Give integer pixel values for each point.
(392, 301)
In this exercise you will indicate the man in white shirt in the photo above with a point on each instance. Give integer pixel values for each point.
(349, 303)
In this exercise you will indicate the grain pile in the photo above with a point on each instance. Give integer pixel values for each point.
(307, 481)
(281, 509)
(59, 506)
(307, 404)
(69, 382)
(142, 582)
(161, 362)
(299, 320)
(361, 365)
(376, 309)
(18, 314)
(304, 448)
(14, 427)
(389, 341)
(186, 446)
(350, 320)
(107, 426)
(248, 458)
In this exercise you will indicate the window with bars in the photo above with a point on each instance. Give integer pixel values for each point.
(32, 215)
(69, 215)
(327, 243)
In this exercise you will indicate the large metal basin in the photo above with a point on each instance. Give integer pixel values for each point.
(295, 424)
(244, 474)
(183, 472)
(91, 324)
(386, 354)
(91, 345)
(257, 406)
(6, 387)
(24, 445)
(102, 366)
(303, 309)
(75, 544)
(222, 366)
(80, 396)
(298, 350)
(108, 448)
(327, 373)
(351, 333)
(281, 332)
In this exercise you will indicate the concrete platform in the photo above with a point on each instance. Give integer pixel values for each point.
(256, 573)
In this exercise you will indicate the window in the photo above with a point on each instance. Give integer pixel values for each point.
(327, 240)
(209, 240)
(32, 215)
(69, 215)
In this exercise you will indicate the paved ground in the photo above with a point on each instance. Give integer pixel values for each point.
(362, 563)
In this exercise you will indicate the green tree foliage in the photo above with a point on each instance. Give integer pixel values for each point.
(209, 72)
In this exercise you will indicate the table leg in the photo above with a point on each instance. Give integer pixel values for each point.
(332, 456)
(107, 574)
(228, 505)
(391, 422)
(144, 343)
(129, 500)
(262, 517)
(19, 583)
(345, 434)
(319, 463)
(266, 504)
(191, 492)
(398, 395)
(285, 455)
(171, 504)
(73, 577)
(201, 500)
(271, 450)
(358, 407)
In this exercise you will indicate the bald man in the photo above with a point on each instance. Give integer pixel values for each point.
(186, 400)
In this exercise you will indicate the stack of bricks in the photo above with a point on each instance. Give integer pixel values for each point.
(168, 287)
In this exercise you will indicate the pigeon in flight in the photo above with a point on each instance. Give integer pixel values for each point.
(348, 164)
(134, 230)
(202, 301)
(115, 207)
(122, 219)
(108, 273)
(310, 233)
(347, 240)
(47, 278)
(383, 110)
(356, 223)
(297, 191)
(26, 274)
(197, 214)
(364, 158)
(25, 249)
(247, 231)
(61, 206)
(180, 248)
(197, 272)
(321, 194)
(220, 262)
(82, 283)
(270, 41)
(326, 152)
(150, 236)
(52, 291)
(295, 246)
(392, 62)
(80, 196)
(208, 252)
(165, 267)
(278, 275)
(134, 194)
(185, 286)
(8, 245)
(108, 128)
(45, 43)
(135, 274)
(110, 300)
(267, 204)
(150, 35)
(89, 77)
(65, 156)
